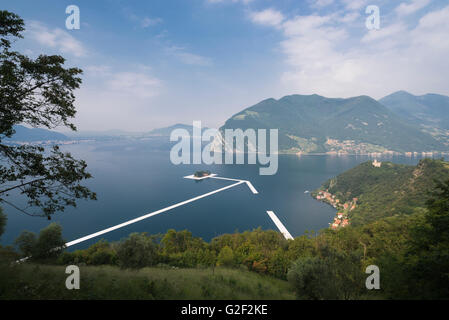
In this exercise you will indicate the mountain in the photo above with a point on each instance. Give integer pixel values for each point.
(312, 123)
(429, 110)
(166, 131)
(386, 190)
(25, 134)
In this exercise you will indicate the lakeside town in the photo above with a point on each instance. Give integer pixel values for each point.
(341, 218)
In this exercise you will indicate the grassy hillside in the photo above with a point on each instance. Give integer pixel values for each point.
(33, 281)
(388, 190)
(318, 124)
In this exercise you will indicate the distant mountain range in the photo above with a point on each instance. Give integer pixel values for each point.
(427, 110)
(166, 131)
(399, 122)
(24, 134)
(315, 124)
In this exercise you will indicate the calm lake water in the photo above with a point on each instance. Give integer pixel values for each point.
(133, 178)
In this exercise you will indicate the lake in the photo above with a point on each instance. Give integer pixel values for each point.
(134, 177)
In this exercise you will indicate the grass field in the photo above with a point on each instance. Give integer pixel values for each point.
(31, 281)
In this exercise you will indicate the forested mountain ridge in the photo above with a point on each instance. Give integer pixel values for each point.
(315, 124)
(25, 134)
(386, 190)
(427, 110)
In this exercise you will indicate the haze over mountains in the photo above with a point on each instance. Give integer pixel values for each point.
(399, 122)
(25, 134)
(430, 111)
(427, 110)
(166, 131)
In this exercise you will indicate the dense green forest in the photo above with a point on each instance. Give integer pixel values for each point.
(388, 190)
(410, 247)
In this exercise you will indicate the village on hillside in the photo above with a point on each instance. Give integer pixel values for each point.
(341, 218)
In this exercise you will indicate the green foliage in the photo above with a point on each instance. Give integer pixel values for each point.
(226, 257)
(26, 242)
(392, 189)
(137, 251)
(305, 123)
(100, 253)
(427, 259)
(49, 244)
(332, 274)
(37, 92)
(175, 242)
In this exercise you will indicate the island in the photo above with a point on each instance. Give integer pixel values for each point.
(201, 174)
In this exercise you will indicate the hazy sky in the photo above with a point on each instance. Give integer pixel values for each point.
(153, 63)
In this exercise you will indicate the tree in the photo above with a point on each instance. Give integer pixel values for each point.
(49, 244)
(307, 277)
(333, 274)
(226, 257)
(208, 258)
(37, 92)
(3, 220)
(26, 243)
(427, 260)
(177, 241)
(137, 251)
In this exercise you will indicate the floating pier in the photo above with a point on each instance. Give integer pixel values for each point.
(152, 214)
(280, 226)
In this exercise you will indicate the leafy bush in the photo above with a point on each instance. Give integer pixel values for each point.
(226, 257)
(331, 275)
(137, 251)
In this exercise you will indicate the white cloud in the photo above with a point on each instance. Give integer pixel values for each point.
(147, 22)
(144, 22)
(116, 97)
(96, 71)
(269, 17)
(354, 4)
(350, 17)
(56, 38)
(409, 8)
(135, 84)
(189, 58)
(385, 32)
(130, 83)
(432, 31)
(325, 56)
(232, 1)
(320, 3)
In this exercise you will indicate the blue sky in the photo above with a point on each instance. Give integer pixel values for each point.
(153, 63)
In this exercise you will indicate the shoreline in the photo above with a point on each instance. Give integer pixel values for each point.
(341, 218)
